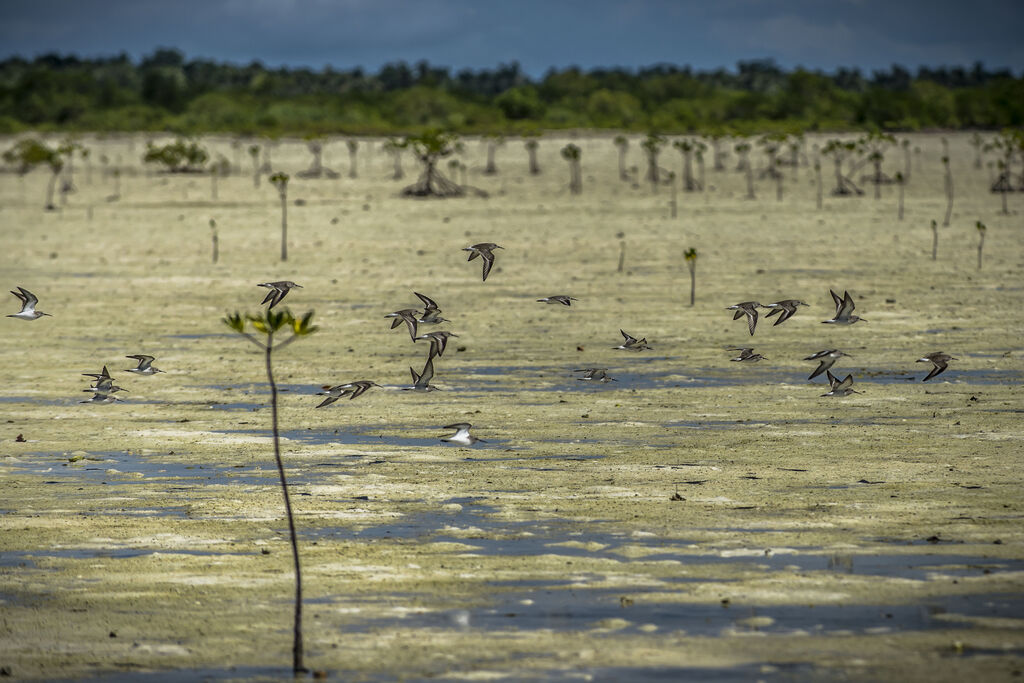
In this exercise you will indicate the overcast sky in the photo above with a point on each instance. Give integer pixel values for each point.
(539, 34)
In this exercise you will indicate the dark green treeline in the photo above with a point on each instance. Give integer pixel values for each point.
(164, 91)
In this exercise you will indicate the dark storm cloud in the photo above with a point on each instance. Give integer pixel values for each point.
(538, 34)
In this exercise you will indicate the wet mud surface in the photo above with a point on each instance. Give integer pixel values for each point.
(695, 519)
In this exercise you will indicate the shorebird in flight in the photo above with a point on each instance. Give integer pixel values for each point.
(746, 354)
(787, 307)
(407, 315)
(278, 290)
(28, 305)
(431, 313)
(595, 375)
(940, 360)
(484, 250)
(631, 343)
(438, 342)
(826, 360)
(749, 309)
(558, 299)
(839, 387)
(352, 389)
(461, 437)
(421, 382)
(844, 310)
(100, 397)
(145, 366)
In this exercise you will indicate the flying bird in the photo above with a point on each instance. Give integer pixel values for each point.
(844, 310)
(484, 250)
(438, 341)
(28, 305)
(631, 343)
(749, 309)
(595, 375)
(826, 360)
(787, 307)
(839, 387)
(462, 437)
(558, 299)
(407, 315)
(352, 389)
(278, 290)
(145, 366)
(940, 360)
(746, 354)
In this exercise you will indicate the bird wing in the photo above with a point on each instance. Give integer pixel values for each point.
(428, 372)
(751, 319)
(428, 303)
(824, 365)
(846, 306)
(845, 384)
(30, 299)
(473, 253)
(488, 262)
(939, 367)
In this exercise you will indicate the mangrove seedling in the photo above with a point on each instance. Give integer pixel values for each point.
(254, 154)
(691, 264)
(280, 181)
(353, 147)
(622, 144)
(899, 202)
(840, 151)
(743, 150)
(935, 240)
(215, 240)
(652, 145)
(493, 142)
(571, 153)
(394, 147)
(531, 146)
(265, 326)
(981, 239)
(219, 168)
(671, 178)
(622, 249)
(948, 184)
(687, 147)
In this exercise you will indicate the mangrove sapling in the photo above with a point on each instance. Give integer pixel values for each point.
(316, 169)
(717, 135)
(899, 203)
(394, 147)
(29, 153)
(353, 148)
(221, 167)
(180, 156)
(652, 145)
(948, 184)
(622, 144)
(817, 177)
(280, 181)
(771, 143)
(254, 154)
(265, 325)
(840, 151)
(429, 148)
(935, 240)
(981, 239)
(686, 148)
(691, 263)
(699, 155)
(778, 181)
(743, 151)
(873, 146)
(215, 240)
(978, 143)
(622, 250)
(531, 146)
(571, 153)
(493, 141)
(671, 177)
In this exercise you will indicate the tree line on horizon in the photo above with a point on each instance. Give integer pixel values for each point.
(165, 92)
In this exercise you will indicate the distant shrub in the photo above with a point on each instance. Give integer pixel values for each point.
(180, 156)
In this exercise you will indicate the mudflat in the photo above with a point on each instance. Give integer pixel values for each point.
(696, 518)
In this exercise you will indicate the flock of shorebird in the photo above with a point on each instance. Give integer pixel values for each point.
(103, 388)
